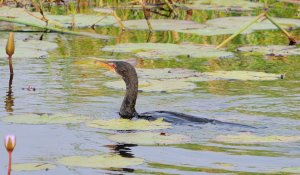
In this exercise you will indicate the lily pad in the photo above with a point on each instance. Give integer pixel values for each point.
(239, 75)
(32, 166)
(223, 5)
(44, 119)
(28, 48)
(276, 50)
(217, 26)
(295, 170)
(165, 50)
(292, 1)
(100, 161)
(162, 24)
(222, 26)
(149, 138)
(252, 139)
(103, 10)
(167, 85)
(12, 12)
(166, 73)
(125, 124)
(81, 20)
(173, 80)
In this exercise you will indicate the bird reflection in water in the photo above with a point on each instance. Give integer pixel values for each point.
(9, 100)
(124, 151)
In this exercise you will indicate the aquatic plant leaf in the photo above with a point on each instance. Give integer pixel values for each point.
(173, 80)
(292, 1)
(81, 20)
(239, 75)
(194, 76)
(28, 48)
(166, 50)
(239, 5)
(166, 85)
(295, 170)
(44, 119)
(217, 26)
(32, 166)
(224, 165)
(103, 10)
(232, 151)
(100, 161)
(149, 138)
(12, 12)
(274, 50)
(125, 124)
(251, 138)
(162, 24)
(222, 26)
(166, 73)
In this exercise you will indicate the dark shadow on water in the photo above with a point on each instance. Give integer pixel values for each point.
(9, 100)
(122, 149)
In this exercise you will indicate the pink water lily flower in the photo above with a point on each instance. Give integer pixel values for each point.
(10, 142)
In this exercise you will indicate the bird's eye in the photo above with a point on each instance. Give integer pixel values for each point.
(112, 65)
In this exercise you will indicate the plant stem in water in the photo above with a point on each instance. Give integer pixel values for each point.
(290, 37)
(11, 70)
(9, 162)
(240, 31)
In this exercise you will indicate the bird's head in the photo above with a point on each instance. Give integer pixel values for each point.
(126, 70)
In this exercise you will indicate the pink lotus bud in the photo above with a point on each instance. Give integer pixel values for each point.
(10, 142)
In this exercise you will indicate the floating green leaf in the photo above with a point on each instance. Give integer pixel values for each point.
(162, 24)
(100, 161)
(103, 10)
(166, 73)
(28, 48)
(167, 85)
(223, 5)
(292, 1)
(125, 124)
(149, 138)
(276, 50)
(217, 26)
(81, 20)
(32, 166)
(12, 12)
(251, 138)
(240, 75)
(222, 26)
(173, 80)
(166, 50)
(233, 151)
(44, 119)
(294, 170)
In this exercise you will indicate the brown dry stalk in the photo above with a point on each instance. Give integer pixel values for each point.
(146, 14)
(93, 26)
(118, 19)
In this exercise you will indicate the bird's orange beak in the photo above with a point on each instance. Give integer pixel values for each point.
(108, 65)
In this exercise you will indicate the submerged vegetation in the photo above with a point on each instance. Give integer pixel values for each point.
(219, 60)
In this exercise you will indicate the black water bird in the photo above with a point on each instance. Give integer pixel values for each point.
(128, 111)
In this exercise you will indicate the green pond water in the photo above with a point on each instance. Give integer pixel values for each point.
(66, 82)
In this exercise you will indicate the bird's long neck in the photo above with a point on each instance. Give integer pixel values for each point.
(127, 109)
